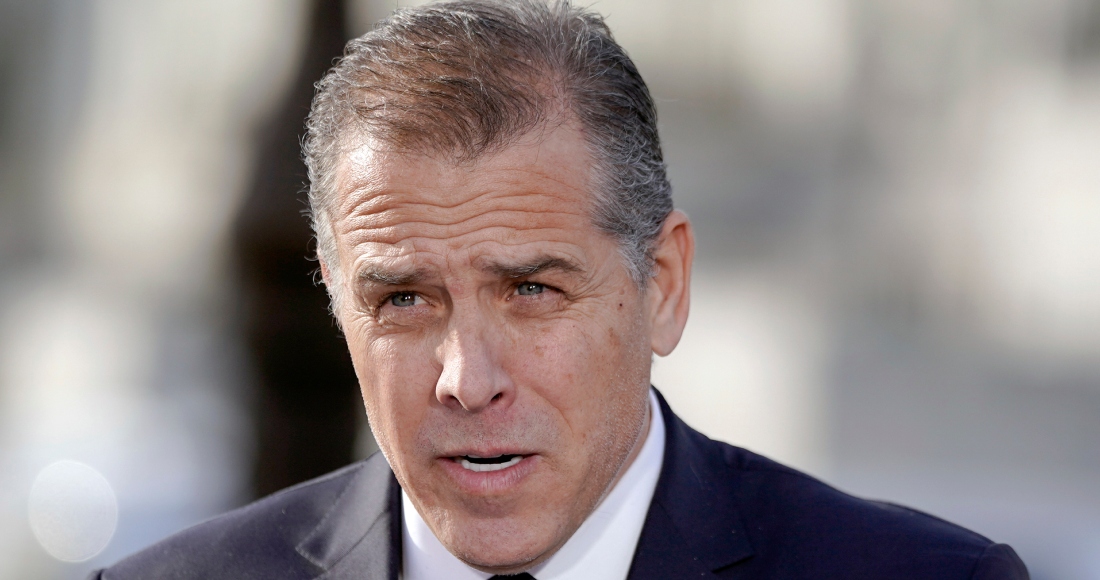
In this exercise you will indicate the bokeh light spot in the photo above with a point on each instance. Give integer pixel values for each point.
(73, 511)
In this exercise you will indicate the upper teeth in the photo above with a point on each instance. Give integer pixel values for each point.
(488, 466)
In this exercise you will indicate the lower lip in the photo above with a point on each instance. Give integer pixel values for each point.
(489, 482)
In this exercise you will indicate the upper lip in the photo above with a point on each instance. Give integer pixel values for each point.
(485, 453)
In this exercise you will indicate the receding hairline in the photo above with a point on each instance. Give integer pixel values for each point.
(353, 140)
(532, 84)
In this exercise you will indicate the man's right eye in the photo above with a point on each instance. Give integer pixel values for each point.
(404, 299)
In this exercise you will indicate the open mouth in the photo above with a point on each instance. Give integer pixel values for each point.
(475, 463)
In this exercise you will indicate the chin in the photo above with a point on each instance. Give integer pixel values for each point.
(501, 547)
(502, 564)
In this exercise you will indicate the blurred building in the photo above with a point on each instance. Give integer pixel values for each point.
(898, 216)
(128, 138)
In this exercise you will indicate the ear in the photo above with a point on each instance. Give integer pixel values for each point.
(326, 276)
(669, 290)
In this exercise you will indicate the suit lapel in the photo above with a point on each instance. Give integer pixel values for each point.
(360, 536)
(692, 528)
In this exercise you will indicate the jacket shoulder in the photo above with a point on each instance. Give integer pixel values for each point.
(800, 522)
(258, 540)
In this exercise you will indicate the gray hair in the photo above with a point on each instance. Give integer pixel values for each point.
(464, 78)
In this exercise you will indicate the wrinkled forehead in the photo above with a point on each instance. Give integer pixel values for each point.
(532, 200)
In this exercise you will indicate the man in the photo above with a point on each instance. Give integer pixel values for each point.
(496, 232)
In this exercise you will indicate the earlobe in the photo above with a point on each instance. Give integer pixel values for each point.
(670, 287)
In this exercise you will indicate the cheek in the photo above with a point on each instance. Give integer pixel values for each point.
(397, 378)
(549, 357)
(580, 365)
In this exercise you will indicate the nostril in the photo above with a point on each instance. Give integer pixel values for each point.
(497, 396)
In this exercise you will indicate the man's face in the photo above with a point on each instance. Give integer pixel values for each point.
(501, 346)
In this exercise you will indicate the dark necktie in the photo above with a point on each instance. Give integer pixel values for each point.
(520, 576)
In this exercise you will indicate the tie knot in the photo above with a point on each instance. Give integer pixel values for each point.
(520, 576)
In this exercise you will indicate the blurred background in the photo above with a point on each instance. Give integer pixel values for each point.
(898, 286)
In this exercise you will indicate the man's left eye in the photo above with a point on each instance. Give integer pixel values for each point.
(530, 288)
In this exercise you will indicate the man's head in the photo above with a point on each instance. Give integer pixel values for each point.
(495, 228)
(460, 80)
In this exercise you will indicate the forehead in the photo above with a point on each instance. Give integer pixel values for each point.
(534, 195)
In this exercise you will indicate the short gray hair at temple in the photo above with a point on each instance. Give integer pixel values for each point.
(466, 78)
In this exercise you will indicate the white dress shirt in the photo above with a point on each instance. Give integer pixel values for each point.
(602, 547)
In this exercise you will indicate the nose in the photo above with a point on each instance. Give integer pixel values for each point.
(472, 378)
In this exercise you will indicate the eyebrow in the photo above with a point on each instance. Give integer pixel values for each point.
(374, 274)
(540, 264)
(378, 275)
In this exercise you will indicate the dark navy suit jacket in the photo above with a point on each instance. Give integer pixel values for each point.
(718, 512)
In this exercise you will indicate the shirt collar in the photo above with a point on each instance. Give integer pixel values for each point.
(603, 546)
